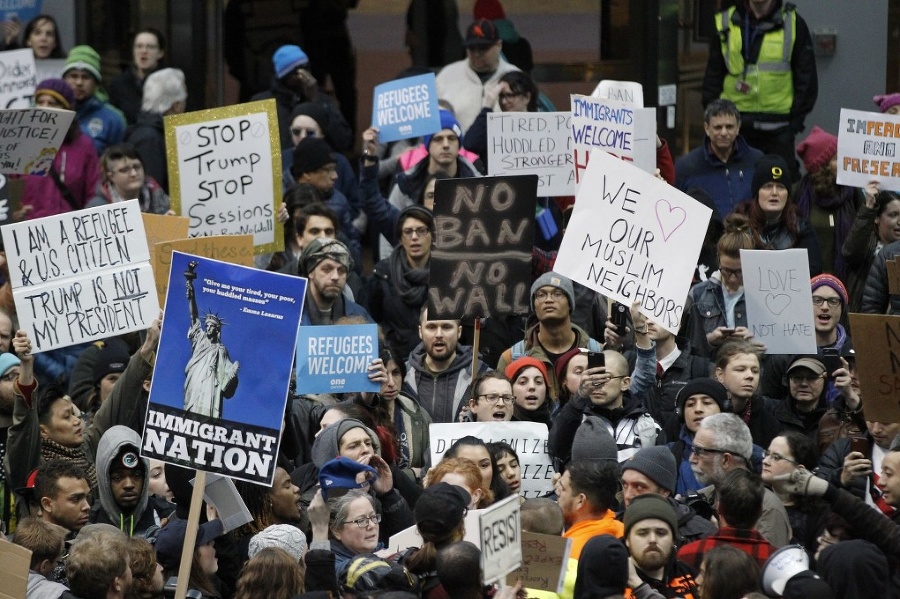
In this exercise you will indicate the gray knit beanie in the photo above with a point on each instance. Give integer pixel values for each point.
(593, 441)
(553, 279)
(327, 445)
(656, 463)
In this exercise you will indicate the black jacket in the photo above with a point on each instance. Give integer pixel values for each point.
(337, 132)
(876, 298)
(148, 138)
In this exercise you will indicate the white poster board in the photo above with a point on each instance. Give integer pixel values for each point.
(528, 439)
(621, 129)
(18, 78)
(633, 238)
(410, 537)
(81, 276)
(30, 138)
(868, 149)
(629, 92)
(535, 143)
(779, 300)
(501, 544)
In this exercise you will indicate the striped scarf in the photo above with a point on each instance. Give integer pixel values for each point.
(51, 450)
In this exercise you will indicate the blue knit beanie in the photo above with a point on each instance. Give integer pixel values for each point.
(288, 58)
(448, 121)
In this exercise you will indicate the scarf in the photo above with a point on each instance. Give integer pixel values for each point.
(841, 205)
(50, 450)
(411, 283)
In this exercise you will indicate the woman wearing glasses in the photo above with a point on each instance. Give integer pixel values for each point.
(807, 515)
(354, 527)
(125, 179)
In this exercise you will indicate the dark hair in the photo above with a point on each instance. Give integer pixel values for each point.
(314, 209)
(45, 540)
(802, 448)
(883, 200)
(458, 568)
(498, 485)
(521, 83)
(499, 449)
(160, 38)
(597, 479)
(300, 195)
(436, 176)
(733, 348)
(543, 516)
(258, 501)
(49, 473)
(729, 573)
(46, 397)
(741, 498)
(119, 152)
(721, 107)
(738, 236)
(487, 375)
(789, 218)
(58, 51)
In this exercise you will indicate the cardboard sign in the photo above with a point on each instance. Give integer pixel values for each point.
(221, 493)
(164, 227)
(533, 143)
(618, 128)
(893, 274)
(878, 363)
(30, 138)
(81, 276)
(223, 368)
(335, 359)
(868, 149)
(528, 439)
(634, 238)
(483, 240)
(544, 562)
(18, 78)
(225, 172)
(501, 548)
(234, 249)
(779, 300)
(628, 92)
(15, 561)
(406, 108)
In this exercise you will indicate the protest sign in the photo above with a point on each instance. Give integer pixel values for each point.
(335, 359)
(81, 276)
(225, 172)
(501, 547)
(410, 537)
(618, 128)
(221, 493)
(629, 92)
(634, 238)
(18, 78)
(779, 300)
(544, 562)
(164, 227)
(15, 561)
(878, 363)
(30, 138)
(484, 234)
(867, 149)
(222, 371)
(528, 439)
(893, 276)
(235, 249)
(533, 143)
(20, 10)
(405, 108)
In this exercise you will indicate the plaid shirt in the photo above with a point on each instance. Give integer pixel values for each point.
(749, 541)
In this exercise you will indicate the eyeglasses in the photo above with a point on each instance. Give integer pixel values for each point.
(510, 95)
(417, 231)
(833, 302)
(777, 457)
(10, 376)
(495, 397)
(702, 451)
(364, 521)
(731, 272)
(137, 167)
(799, 379)
(556, 294)
(298, 131)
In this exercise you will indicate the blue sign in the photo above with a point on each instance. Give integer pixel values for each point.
(336, 359)
(223, 368)
(406, 108)
(20, 10)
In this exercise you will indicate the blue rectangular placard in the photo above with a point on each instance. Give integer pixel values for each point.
(335, 359)
(406, 108)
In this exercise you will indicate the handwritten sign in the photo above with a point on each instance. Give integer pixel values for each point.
(533, 143)
(528, 439)
(629, 92)
(222, 372)
(544, 562)
(18, 78)
(234, 249)
(335, 359)
(618, 128)
(30, 138)
(878, 363)
(634, 238)
(81, 276)
(868, 149)
(779, 300)
(406, 108)
(501, 548)
(484, 233)
(225, 172)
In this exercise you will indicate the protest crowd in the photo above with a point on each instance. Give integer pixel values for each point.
(672, 434)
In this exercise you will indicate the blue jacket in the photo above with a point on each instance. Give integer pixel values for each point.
(705, 310)
(101, 122)
(728, 183)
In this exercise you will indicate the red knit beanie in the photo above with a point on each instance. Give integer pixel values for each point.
(817, 149)
(515, 368)
(827, 280)
(489, 9)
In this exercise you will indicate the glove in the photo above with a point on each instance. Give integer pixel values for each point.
(800, 482)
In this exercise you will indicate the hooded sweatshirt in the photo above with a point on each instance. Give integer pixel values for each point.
(133, 523)
(442, 393)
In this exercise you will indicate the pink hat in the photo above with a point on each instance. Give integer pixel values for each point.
(817, 149)
(886, 101)
(515, 368)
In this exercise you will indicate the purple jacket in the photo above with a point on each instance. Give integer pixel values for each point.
(78, 167)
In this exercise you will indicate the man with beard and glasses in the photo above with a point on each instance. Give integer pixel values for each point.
(722, 444)
(650, 528)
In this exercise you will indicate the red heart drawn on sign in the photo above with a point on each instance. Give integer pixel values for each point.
(669, 217)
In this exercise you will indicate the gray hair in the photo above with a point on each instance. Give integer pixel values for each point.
(731, 434)
(162, 89)
(340, 506)
(721, 107)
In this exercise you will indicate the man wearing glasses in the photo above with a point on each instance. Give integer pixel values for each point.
(723, 444)
(805, 405)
